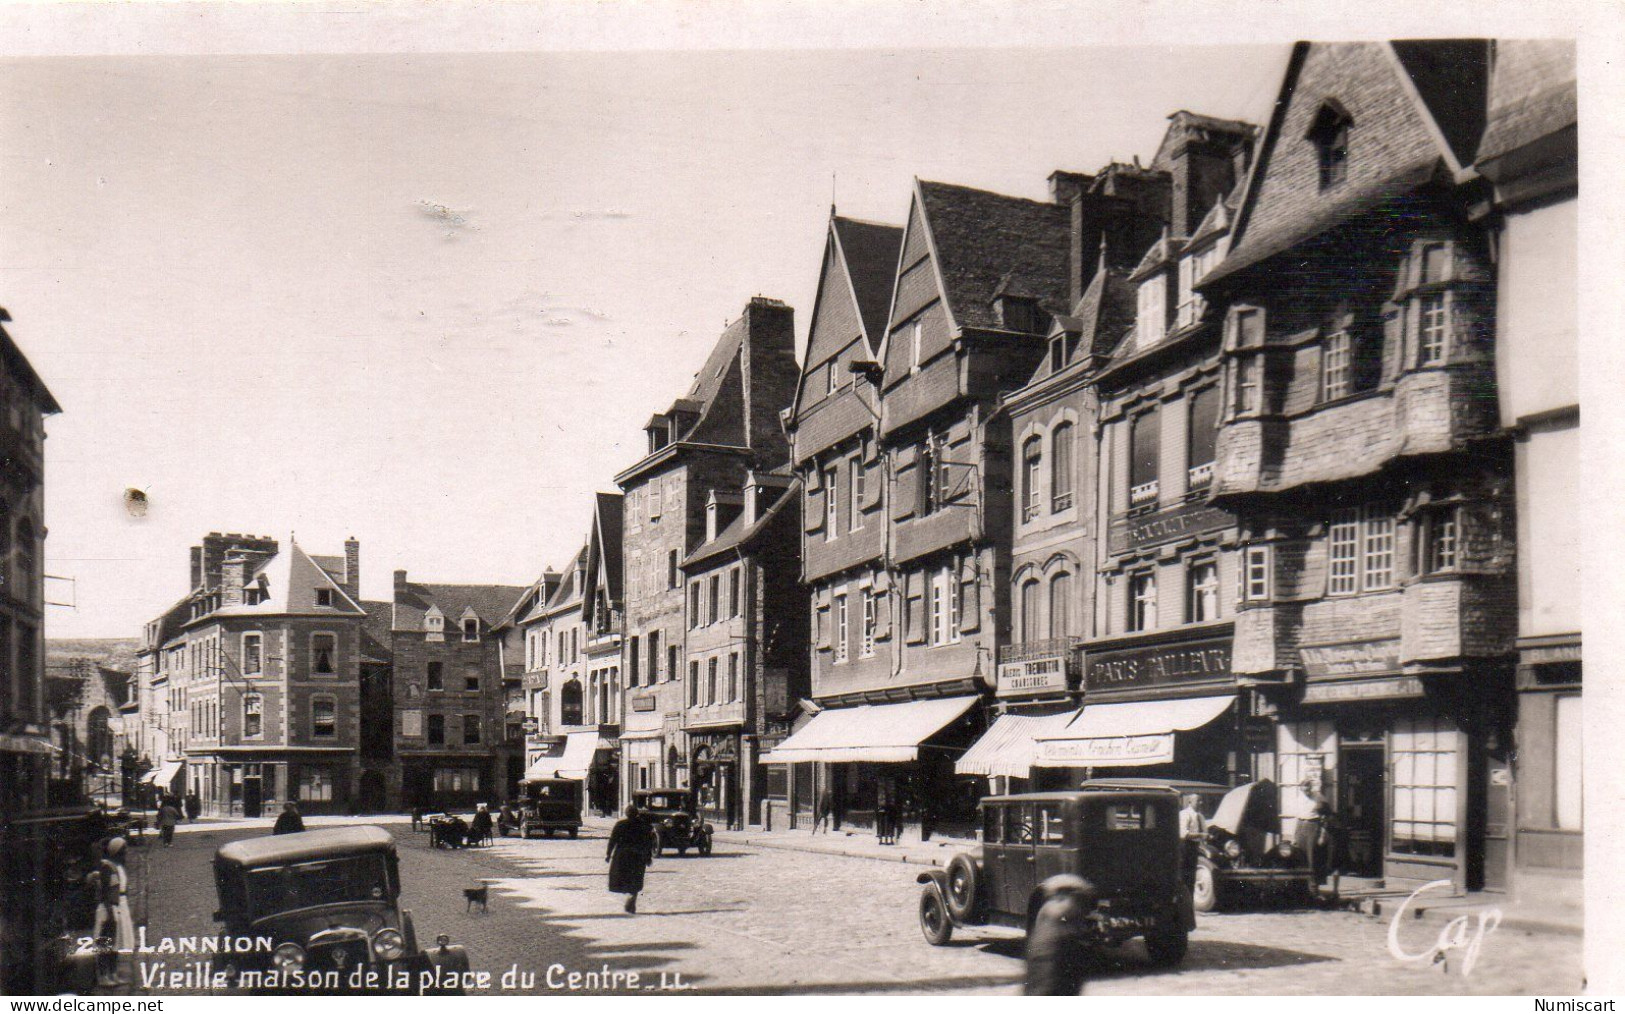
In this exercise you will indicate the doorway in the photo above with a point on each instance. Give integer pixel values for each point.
(1497, 816)
(1361, 808)
(253, 799)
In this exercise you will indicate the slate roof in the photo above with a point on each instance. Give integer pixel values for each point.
(1533, 94)
(289, 581)
(980, 237)
(738, 534)
(490, 603)
(606, 538)
(375, 631)
(18, 365)
(870, 250)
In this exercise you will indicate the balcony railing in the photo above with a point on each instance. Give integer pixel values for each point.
(1144, 493)
(1029, 650)
(1201, 475)
(1061, 502)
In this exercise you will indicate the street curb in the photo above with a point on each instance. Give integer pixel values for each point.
(792, 847)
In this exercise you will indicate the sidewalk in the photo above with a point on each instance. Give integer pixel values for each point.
(1439, 909)
(858, 844)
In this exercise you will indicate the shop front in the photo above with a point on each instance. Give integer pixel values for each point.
(716, 774)
(1548, 850)
(255, 783)
(1035, 696)
(877, 765)
(1161, 705)
(1411, 767)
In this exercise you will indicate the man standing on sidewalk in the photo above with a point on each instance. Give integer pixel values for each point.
(168, 817)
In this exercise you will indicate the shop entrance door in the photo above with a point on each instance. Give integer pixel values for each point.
(252, 800)
(1361, 809)
(1497, 818)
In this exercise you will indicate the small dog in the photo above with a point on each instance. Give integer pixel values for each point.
(477, 896)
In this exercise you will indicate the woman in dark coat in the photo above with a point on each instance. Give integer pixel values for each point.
(631, 849)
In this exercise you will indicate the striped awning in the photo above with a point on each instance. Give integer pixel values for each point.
(876, 733)
(1008, 748)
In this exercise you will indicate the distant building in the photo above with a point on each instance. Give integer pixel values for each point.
(726, 426)
(451, 747)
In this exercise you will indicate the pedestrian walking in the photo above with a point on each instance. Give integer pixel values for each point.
(479, 829)
(168, 817)
(194, 806)
(289, 821)
(824, 819)
(113, 922)
(1058, 943)
(632, 844)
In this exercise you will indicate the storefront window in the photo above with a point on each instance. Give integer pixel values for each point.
(1567, 801)
(1423, 753)
(1307, 750)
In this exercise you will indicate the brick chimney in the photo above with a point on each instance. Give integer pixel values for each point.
(352, 569)
(197, 567)
(1206, 158)
(400, 584)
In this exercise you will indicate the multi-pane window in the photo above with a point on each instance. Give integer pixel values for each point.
(944, 607)
(733, 676)
(253, 714)
(1201, 436)
(1360, 550)
(1255, 574)
(253, 653)
(471, 629)
(1377, 555)
(711, 681)
(673, 580)
(693, 683)
(1436, 541)
(832, 503)
(1423, 753)
(1343, 551)
(315, 785)
(871, 609)
(1204, 592)
(733, 591)
(1032, 457)
(859, 481)
(1142, 601)
(694, 605)
(1432, 324)
(840, 628)
(1336, 366)
(716, 597)
(1145, 458)
(654, 658)
(1249, 385)
(1060, 605)
(471, 730)
(323, 653)
(1060, 469)
(323, 717)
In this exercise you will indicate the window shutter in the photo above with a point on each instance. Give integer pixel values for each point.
(812, 513)
(883, 611)
(907, 498)
(914, 619)
(970, 597)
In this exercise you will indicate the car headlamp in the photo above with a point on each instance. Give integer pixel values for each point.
(1232, 848)
(289, 957)
(388, 944)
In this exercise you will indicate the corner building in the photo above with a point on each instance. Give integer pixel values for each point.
(1360, 451)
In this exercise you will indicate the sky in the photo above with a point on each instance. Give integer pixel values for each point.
(428, 299)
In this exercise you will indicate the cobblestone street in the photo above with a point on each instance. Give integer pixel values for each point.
(748, 920)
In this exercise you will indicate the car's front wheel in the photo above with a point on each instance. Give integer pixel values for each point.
(935, 924)
(1205, 896)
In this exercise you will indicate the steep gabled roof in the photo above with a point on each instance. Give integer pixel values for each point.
(980, 237)
(604, 546)
(375, 631)
(490, 602)
(1533, 94)
(870, 251)
(290, 580)
(1106, 312)
(738, 534)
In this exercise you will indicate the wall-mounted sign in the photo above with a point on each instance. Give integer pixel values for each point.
(1356, 658)
(644, 702)
(1167, 525)
(411, 722)
(1542, 654)
(1181, 662)
(1033, 676)
(1122, 750)
(1362, 690)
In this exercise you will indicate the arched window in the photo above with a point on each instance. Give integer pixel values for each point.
(570, 703)
(1030, 627)
(1060, 605)
(1032, 456)
(1060, 481)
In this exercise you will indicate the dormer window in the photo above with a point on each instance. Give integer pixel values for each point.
(1152, 315)
(1330, 135)
(1019, 313)
(324, 597)
(1060, 352)
(434, 624)
(471, 629)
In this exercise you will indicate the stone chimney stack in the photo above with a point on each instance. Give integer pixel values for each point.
(400, 583)
(352, 569)
(1205, 157)
(197, 567)
(233, 572)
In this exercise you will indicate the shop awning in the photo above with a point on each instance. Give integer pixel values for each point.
(1008, 748)
(877, 733)
(163, 774)
(26, 744)
(572, 760)
(1128, 734)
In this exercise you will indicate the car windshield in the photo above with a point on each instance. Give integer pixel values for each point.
(551, 792)
(666, 801)
(323, 882)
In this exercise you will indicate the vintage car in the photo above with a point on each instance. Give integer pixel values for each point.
(676, 817)
(1124, 841)
(547, 805)
(329, 902)
(1245, 852)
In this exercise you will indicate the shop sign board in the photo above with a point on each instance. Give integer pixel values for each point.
(1355, 658)
(1185, 661)
(1167, 525)
(643, 702)
(1036, 675)
(1157, 749)
(1362, 690)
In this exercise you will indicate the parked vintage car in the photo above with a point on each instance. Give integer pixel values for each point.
(676, 817)
(547, 805)
(1245, 852)
(1125, 841)
(329, 900)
